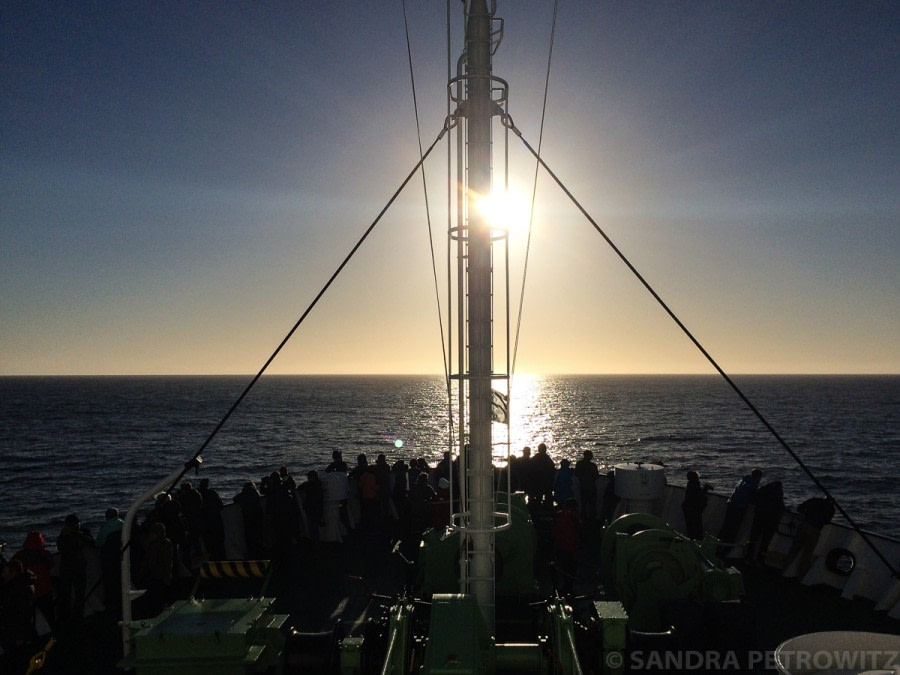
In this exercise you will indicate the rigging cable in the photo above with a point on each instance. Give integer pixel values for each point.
(448, 102)
(412, 82)
(449, 122)
(507, 121)
(537, 167)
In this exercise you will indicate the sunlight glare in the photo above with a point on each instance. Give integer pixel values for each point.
(505, 210)
(529, 424)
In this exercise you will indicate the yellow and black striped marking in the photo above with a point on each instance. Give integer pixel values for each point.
(231, 569)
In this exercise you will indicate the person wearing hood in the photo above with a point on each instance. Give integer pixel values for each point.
(72, 543)
(337, 463)
(543, 473)
(736, 508)
(694, 503)
(253, 514)
(768, 508)
(816, 512)
(383, 474)
(563, 484)
(213, 526)
(112, 525)
(587, 474)
(109, 541)
(610, 499)
(35, 558)
(157, 569)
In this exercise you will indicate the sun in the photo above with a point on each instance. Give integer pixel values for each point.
(505, 210)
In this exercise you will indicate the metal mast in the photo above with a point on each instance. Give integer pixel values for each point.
(479, 109)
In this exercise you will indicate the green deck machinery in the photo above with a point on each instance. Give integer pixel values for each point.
(230, 636)
(646, 564)
(442, 630)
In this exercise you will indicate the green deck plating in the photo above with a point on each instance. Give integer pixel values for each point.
(222, 636)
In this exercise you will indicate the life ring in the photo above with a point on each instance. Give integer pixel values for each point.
(840, 561)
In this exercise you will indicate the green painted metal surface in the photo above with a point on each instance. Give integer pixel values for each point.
(222, 636)
(519, 658)
(439, 557)
(614, 631)
(351, 656)
(399, 639)
(458, 641)
(562, 634)
(646, 563)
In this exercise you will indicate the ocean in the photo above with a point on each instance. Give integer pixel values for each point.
(82, 444)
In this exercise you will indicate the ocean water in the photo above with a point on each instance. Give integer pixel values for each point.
(81, 444)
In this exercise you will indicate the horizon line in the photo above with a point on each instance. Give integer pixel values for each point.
(441, 375)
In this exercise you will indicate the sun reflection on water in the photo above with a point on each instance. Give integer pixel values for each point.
(530, 418)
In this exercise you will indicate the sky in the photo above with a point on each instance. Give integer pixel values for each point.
(178, 180)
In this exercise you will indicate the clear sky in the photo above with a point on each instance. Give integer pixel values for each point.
(179, 179)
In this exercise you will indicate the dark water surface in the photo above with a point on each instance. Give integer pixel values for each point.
(81, 444)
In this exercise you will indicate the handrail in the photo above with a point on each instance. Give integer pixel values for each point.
(128, 593)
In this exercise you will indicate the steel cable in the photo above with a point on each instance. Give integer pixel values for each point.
(448, 124)
(534, 189)
(784, 444)
(412, 82)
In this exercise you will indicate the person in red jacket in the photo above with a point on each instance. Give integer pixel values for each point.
(39, 561)
(367, 483)
(566, 542)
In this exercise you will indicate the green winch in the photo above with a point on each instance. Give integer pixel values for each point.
(645, 563)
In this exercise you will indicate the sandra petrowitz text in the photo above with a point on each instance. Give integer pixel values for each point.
(788, 660)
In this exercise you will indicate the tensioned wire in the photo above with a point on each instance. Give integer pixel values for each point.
(415, 101)
(448, 123)
(537, 167)
(508, 122)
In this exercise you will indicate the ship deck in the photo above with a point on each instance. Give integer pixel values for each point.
(332, 586)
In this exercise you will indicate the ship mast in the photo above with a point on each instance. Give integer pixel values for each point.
(478, 108)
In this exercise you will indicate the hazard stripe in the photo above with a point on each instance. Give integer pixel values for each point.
(230, 569)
